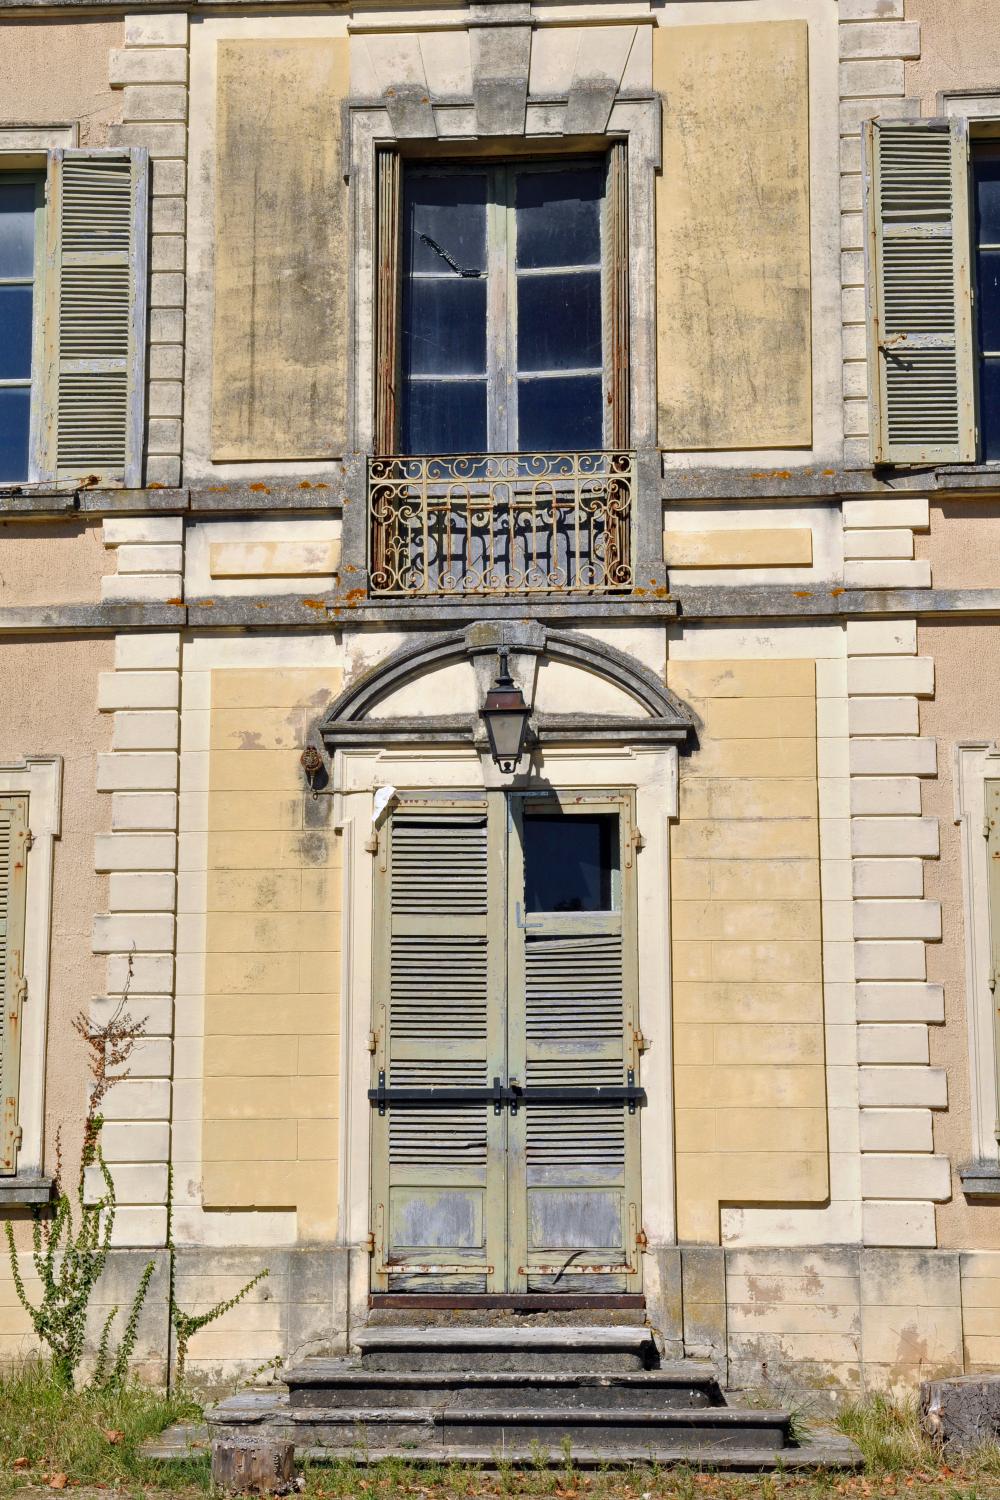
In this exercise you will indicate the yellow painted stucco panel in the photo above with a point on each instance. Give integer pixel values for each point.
(272, 960)
(280, 324)
(733, 256)
(749, 1047)
(768, 547)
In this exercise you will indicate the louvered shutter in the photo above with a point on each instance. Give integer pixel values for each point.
(13, 884)
(435, 971)
(920, 336)
(96, 300)
(576, 975)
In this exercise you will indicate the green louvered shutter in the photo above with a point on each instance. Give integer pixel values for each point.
(13, 883)
(438, 1179)
(96, 300)
(920, 337)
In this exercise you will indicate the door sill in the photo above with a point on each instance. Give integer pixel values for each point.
(511, 1302)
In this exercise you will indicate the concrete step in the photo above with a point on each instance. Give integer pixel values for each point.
(566, 1348)
(335, 1383)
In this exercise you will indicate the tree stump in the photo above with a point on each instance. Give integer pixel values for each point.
(258, 1466)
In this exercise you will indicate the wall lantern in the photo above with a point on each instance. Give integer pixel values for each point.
(505, 715)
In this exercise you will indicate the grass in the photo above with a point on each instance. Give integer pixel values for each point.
(89, 1442)
(91, 1437)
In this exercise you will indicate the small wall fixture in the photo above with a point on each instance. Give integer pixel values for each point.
(505, 715)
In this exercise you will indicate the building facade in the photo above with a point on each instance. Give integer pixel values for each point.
(354, 356)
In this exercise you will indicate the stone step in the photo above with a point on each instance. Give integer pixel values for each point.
(567, 1348)
(718, 1438)
(498, 1428)
(333, 1383)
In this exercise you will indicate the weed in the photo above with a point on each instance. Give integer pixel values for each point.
(888, 1432)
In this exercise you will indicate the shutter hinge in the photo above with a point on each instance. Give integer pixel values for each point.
(20, 990)
(993, 977)
(18, 1135)
(371, 844)
(641, 1044)
(986, 828)
(641, 1239)
(373, 1041)
(370, 1242)
(29, 838)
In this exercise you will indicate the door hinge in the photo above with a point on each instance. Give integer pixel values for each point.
(373, 1041)
(20, 990)
(370, 1242)
(18, 1135)
(641, 1042)
(371, 844)
(641, 1239)
(29, 838)
(986, 828)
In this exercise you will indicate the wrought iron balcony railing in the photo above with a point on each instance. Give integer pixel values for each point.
(501, 523)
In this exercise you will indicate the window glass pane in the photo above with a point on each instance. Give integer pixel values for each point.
(444, 327)
(559, 217)
(986, 172)
(564, 412)
(15, 332)
(445, 417)
(988, 298)
(451, 211)
(570, 862)
(17, 228)
(989, 408)
(559, 321)
(15, 418)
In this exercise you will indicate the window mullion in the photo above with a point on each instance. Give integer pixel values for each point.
(497, 392)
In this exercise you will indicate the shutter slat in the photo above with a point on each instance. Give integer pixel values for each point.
(13, 886)
(99, 235)
(920, 340)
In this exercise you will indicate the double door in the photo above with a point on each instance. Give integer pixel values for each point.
(505, 1095)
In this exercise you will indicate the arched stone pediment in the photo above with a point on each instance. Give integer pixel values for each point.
(580, 691)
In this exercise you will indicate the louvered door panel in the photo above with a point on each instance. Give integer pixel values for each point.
(98, 234)
(13, 886)
(433, 991)
(573, 971)
(921, 356)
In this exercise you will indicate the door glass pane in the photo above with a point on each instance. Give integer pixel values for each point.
(989, 408)
(15, 332)
(443, 325)
(987, 192)
(988, 285)
(445, 416)
(570, 862)
(444, 216)
(17, 228)
(15, 418)
(559, 321)
(564, 413)
(559, 217)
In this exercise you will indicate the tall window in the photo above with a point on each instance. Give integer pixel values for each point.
(986, 209)
(21, 208)
(506, 287)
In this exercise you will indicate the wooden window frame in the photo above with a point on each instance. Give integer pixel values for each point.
(390, 169)
(35, 175)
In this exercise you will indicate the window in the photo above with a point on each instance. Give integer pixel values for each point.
(986, 203)
(21, 210)
(571, 862)
(512, 316)
(73, 243)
